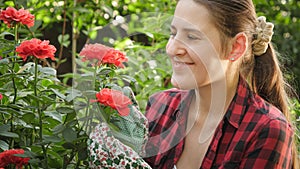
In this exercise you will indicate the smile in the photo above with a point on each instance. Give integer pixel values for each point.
(180, 62)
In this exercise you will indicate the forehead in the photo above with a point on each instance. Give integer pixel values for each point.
(191, 14)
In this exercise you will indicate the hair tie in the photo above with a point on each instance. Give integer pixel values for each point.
(262, 36)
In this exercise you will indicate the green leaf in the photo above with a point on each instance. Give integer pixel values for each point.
(4, 61)
(48, 71)
(69, 134)
(64, 39)
(4, 145)
(28, 117)
(58, 93)
(104, 71)
(58, 129)
(9, 134)
(4, 128)
(70, 117)
(52, 139)
(46, 82)
(69, 146)
(54, 115)
(65, 110)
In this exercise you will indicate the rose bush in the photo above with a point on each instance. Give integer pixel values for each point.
(47, 119)
(37, 114)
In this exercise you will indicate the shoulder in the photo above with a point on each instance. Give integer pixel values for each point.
(269, 136)
(267, 111)
(269, 121)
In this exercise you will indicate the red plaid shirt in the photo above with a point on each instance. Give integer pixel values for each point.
(252, 134)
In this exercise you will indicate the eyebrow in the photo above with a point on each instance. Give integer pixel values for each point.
(187, 29)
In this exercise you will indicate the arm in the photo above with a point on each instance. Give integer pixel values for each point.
(120, 146)
(271, 147)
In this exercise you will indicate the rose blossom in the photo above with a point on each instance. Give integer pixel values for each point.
(115, 57)
(1, 96)
(11, 16)
(103, 54)
(115, 99)
(8, 157)
(37, 48)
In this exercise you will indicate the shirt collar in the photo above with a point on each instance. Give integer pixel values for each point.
(239, 103)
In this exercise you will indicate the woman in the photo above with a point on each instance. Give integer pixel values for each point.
(230, 109)
(221, 122)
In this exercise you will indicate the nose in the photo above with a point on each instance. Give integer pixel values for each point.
(175, 47)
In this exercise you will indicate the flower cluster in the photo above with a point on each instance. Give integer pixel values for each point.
(8, 157)
(37, 48)
(11, 16)
(114, 99)
(103, 55)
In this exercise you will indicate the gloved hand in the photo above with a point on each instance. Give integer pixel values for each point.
(133, 129)
(121, 147)
(105, 151)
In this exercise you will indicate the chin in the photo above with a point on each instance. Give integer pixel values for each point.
(183, 84)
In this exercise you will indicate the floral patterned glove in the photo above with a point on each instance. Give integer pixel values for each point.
(105, 151)
(121, 147)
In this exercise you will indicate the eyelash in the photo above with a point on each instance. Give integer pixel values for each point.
(172, 34)
(192, 37)
(189, 36)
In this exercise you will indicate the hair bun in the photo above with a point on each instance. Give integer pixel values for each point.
(262, 36)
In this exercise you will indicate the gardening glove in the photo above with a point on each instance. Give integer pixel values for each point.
(132, 129)
(122, 140)
(105, 151)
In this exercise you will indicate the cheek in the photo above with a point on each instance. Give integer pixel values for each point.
(208, 62)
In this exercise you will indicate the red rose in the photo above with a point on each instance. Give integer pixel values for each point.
(94, 51)
(8, 157)
(103, 54)
(11, 16)
(37, 48)
(1, 96)
(115, 99)
(115, 57)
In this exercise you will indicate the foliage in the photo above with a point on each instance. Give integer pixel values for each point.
(139, 27)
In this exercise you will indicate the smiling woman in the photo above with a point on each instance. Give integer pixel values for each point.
(216, 119)
(229, 107)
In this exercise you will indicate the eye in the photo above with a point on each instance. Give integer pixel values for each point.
(192, 37)
(172, 34)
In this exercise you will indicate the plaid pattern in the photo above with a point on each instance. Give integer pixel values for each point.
(252, 134)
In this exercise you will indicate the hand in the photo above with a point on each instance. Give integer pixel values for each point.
(105, 151)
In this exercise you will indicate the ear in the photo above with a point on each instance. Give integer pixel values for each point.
(239, 46)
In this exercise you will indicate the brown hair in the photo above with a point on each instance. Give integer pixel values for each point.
(263, 72)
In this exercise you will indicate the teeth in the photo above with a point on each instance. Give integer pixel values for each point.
(176, 59)
(179, 63)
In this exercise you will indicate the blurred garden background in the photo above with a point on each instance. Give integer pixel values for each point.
(137, 27)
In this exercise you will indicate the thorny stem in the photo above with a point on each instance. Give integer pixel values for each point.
(14, 82)
(13, 64)
(40, 115)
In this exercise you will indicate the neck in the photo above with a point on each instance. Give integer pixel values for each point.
(216, 97)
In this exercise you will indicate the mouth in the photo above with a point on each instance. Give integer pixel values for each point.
(178, 62)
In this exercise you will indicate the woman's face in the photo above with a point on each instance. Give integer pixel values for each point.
(194, 47)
